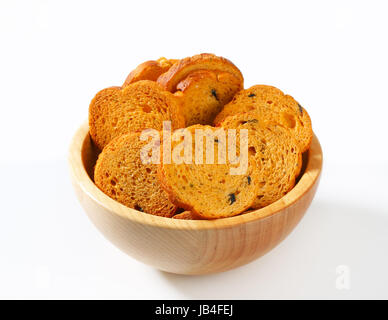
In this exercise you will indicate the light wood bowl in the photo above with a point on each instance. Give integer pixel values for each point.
(191, 246)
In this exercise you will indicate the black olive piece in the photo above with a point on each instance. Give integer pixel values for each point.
(138, 208)
(214, 94)
(251, 95)
(249, 180)
(300, 108)
(250, 121)
(232, 198)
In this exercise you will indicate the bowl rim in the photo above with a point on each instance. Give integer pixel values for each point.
(82, 179)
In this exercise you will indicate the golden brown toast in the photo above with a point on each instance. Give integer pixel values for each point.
(120, 173)
(149, 70)
(272, 105)
(210, 190)
(144, 104)
(205, 61)
(277, 153)
(204, 93)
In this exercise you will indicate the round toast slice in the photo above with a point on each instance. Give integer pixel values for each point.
(120, 174)
(277, 153)
(141, 105)
(205, 61)
(149, 70)
(272, 105)
(203, 94)
(210, 190)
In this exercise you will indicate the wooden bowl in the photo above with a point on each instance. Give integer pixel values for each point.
(191, 246)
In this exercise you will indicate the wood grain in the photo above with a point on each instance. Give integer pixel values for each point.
(191, 246)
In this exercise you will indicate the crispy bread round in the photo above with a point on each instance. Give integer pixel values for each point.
(272, 105)
(149, 70)
(211, 190)
(277, 153)
(144, 104)
(204, 93)
(120, 173)
(205, 61)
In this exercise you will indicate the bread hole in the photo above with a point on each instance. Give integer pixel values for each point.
(148, 170)
(260, 196)
(113, 182)
(262, 184)
(107, 174)
(269, 102)
(185, 179)
(251, 151)
(113, 192)
(147, 109)
(222, 181)
(289, 120)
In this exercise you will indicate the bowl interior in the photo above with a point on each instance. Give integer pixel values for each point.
(84, 154)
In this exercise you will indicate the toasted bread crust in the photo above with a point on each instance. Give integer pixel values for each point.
(187, 215)
(205, 61)
(204, 93)
(149, 70)
(120, 173)
(272, 105)
(141, 105)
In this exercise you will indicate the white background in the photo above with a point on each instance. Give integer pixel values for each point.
(330, 55)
